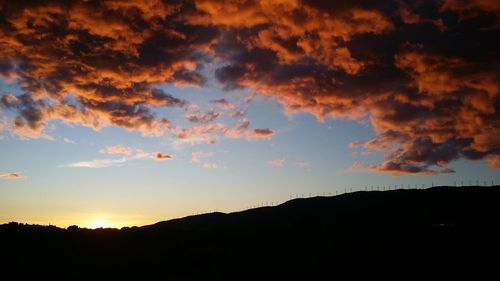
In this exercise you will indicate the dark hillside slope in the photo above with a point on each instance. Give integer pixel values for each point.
(442, 232)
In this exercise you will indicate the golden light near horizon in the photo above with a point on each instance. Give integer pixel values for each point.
(100, 223)
(107, 220)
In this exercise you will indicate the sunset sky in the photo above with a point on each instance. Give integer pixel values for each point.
(119, 113)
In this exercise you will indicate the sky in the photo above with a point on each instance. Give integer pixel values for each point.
(121, 113)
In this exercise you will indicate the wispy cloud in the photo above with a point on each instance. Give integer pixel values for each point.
(141, 154)
(302, 164)
(11, 176)
(277, 162)
(68, 141)
(223, 103)
(98, 163)
(117, 162)
(209, 133)
(283, 162)
(199, 156)
(209, 165)
(3, 127)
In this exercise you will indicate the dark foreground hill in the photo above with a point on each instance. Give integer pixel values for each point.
(438, 233)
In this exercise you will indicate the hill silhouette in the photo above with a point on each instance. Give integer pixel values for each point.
(438, 233)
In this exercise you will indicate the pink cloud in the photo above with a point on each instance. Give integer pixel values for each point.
(276, 162)
(117, 149)
(302, 164)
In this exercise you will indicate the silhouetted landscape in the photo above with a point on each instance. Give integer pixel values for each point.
(440, 232)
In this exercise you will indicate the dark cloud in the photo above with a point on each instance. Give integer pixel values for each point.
(223, 103)
(397, 169)
(262, 133)
(197, 116)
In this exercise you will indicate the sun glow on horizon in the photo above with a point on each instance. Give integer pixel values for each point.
(100, 223)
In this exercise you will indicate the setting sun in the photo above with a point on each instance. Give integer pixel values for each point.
(100, 223)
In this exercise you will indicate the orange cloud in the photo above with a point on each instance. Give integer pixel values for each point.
(494, 161)
(96, 64)
(11, 176)
(261, 133)
(209, 132)
(161, 157)
(429, 103)
(295, 30)
(423, 75)
(117, 149)
(277, 162)
(398, 169)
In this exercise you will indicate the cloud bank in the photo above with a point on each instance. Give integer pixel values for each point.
(423, 73)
